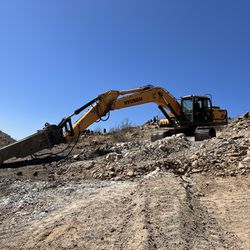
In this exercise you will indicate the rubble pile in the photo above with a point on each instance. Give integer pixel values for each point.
(227, 154)
(124, 160)
(222, 156)
(240, 124)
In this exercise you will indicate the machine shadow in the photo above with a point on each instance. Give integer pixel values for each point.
(35, 161)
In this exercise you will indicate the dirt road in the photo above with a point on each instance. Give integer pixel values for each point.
(162, 212)
(227, 200)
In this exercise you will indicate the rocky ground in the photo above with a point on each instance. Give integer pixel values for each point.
(122, 191)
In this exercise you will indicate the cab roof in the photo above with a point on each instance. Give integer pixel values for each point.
(195, 96)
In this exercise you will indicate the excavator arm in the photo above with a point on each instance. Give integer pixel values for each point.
(113, 100)
(65, 131)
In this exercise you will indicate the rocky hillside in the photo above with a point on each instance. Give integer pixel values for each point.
(5, 139)
(122, 191)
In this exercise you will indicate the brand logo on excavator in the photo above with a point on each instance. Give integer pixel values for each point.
(131, 101)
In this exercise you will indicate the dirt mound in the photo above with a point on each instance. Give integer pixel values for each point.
(5, 139)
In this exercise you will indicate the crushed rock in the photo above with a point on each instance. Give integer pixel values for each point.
(225, 155)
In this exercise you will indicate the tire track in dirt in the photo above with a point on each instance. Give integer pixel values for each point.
(227, 199)
(154, 213)
(168, 215)
(175, 218)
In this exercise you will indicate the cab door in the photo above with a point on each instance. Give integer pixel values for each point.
(202, 110)
(187, 110)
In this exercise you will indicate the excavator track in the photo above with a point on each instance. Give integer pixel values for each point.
(204, 133)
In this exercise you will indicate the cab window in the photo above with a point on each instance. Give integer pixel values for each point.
(187, 105)
(202, 104)
(206, 104)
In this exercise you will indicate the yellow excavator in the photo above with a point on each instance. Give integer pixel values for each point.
(194, 116)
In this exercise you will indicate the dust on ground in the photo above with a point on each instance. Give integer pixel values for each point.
(122, 191)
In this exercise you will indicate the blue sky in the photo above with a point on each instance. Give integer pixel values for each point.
(56, 55)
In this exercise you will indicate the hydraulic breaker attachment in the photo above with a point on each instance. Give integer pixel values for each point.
(45, 138)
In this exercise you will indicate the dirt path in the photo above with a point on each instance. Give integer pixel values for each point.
(227, 199)
(155, 213)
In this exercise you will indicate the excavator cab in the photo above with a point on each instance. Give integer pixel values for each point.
(196, 110)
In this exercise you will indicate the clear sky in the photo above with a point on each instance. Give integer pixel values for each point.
(56, 55)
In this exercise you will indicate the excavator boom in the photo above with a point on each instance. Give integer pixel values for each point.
(112, 100)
